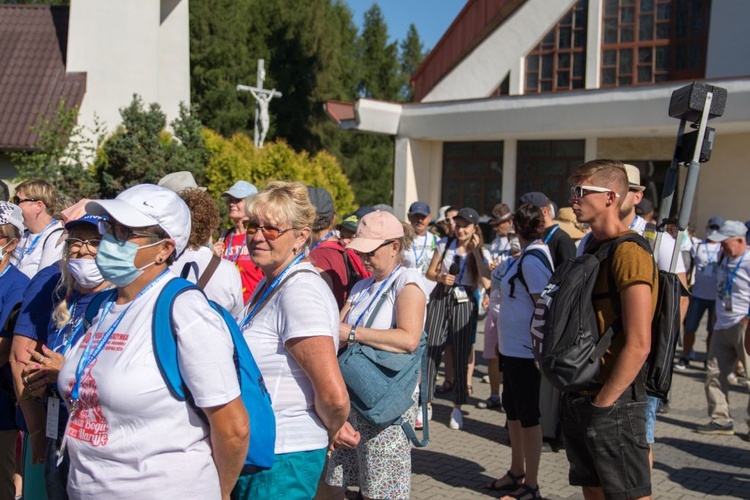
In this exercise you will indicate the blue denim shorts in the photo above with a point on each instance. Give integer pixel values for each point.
(607, 447)
(695, 312)
(651, 407)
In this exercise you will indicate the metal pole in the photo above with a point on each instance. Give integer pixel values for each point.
(670, 185)
(691, 182)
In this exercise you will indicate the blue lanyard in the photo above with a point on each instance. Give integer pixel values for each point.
(464, 262)
(228, 242)
(728, 289)
(424, 247)
(88, 356)
(554, 230)
(374, 297)
(321, 240)
(249, 317)
(708, 256)
(632, 224)
(73, 325)
(27, 250)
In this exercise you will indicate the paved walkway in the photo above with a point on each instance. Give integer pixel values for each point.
(687, 465)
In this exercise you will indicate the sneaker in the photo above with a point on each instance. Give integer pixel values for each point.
(663, 407)
(490, 402)
(486, 379)
(457, 420)
(732, 379)
(716, 429)
(682, 365)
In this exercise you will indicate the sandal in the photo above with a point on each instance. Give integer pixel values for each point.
(446, 386)
(525, 492)
(514, 485)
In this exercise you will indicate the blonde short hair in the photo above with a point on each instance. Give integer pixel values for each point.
(287, 203)
(606, 173)
(39, 189)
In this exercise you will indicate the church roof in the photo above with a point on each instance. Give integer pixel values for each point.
(33, 78)
(477, 20)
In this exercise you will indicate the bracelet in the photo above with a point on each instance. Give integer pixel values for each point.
(352, 333)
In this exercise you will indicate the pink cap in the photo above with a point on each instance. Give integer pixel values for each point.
(374, 229)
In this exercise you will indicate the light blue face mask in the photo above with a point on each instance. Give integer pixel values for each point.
(116, 260)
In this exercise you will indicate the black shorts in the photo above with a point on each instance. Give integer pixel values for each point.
(607, 447)
(521, 382)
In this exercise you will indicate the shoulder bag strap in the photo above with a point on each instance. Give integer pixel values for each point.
(213, 264)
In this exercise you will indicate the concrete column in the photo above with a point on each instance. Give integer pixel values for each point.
(510, 156)
(403, 176)
(591, 149)
(594, 45)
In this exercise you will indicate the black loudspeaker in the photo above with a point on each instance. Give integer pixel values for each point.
(688, 102)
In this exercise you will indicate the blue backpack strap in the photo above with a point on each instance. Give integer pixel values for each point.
(165, 344)
(423, 396)
(93, 308)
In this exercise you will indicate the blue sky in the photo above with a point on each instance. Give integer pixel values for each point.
(431, 17)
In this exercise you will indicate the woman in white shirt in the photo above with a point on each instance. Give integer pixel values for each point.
(381, 464)
(127, 436)
(291, 326)
(521, 284)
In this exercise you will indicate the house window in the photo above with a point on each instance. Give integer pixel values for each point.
(649, 41)
(546, 165)
(559, 61)
(472, 174)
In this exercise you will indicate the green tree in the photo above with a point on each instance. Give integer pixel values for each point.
(378, 59)
(141, 150)
(411, 56)
(62, 154)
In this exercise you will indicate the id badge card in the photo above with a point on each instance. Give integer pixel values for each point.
(53, 414)
(460, 295)
(728, 303)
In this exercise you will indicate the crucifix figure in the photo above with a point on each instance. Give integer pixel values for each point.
(262, 99)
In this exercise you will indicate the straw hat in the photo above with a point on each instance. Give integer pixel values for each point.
(566, 219)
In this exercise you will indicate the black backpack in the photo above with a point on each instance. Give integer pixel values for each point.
(564, 330)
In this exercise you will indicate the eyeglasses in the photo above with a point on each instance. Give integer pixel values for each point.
(579, 191)
(120, 232)
(18, 201)
(75, 245)
(270, 233)
(371, 254)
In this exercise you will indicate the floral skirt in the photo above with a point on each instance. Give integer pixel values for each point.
(381, 464)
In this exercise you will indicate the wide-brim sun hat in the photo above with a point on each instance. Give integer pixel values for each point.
(374, 229)
(567, 221)
(148, 205)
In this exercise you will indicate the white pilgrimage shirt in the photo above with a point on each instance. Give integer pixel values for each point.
(303, 307)
(224, 287)
(130, 438)
(37, 251)
(420, 255)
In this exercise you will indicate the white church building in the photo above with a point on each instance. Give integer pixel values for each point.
(517, 93)
(95, 54)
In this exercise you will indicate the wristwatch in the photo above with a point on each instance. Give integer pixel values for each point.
(352, 333)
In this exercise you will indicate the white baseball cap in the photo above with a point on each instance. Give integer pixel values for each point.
(148, 205)
(11, 214)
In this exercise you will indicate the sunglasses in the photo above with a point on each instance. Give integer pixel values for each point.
(579, 191)
(121, 233)
(75, 244)
(371, 253)
(18, 201)
(270, 233)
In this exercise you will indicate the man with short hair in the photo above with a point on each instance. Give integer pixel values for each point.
(337, 266)
(423, 247)
(605, 430)
(726, 347)
(561, 246)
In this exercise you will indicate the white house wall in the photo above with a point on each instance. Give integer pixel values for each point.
(728, 46)
(121, 48)
(480, 72)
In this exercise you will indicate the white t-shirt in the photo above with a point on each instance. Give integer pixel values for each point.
(739, 293)
(130, 438)
(420, 255)
(514, 321)
(364, 298)
(303, 307)
(37, 251)
(224, 287)
(706, 269)
(464, 276)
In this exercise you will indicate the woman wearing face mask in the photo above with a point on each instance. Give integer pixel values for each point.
(127, 436)
(459, 265)
(12, 284)
(80, 281)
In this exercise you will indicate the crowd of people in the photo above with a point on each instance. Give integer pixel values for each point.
(86, 394)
